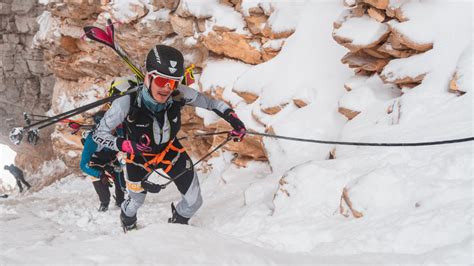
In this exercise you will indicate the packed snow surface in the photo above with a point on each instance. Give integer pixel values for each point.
(416, 202)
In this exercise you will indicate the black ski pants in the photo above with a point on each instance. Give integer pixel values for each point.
(104, 193)
(21, 179)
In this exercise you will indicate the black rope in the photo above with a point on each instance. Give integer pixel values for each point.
(302, 140)
(34, 115)
(194, 164)
(204, 135)
(381, 144)
(187, 169)
(153, 169)
(365, 143)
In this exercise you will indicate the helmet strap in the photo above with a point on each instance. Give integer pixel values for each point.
(148, 81)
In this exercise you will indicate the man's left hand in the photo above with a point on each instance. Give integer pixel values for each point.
(239, 131)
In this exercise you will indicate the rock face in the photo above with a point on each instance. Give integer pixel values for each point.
(26, 85)
(382, 42)
(232, 45)
(32, 64)
(390, 56)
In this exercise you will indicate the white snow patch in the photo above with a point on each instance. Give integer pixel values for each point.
(364, 94)
(361, 30)
(274, 44)
(48, 29)
(159, 15)
(286, 15)
(217, 14)
(122, 10)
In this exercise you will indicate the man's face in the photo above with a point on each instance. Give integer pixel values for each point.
(160, 94)
(160, 87)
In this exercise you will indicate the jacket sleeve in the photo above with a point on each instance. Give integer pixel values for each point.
(89, 148)
(103, 135)
(197, 99)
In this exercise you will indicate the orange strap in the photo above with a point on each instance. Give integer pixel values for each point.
(158, 158)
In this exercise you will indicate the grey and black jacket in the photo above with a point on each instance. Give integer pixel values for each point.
(140, 123)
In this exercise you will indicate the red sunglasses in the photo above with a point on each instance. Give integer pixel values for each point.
(161, 80)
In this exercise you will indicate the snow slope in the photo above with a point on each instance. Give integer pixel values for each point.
(240, 223)
(60, 224)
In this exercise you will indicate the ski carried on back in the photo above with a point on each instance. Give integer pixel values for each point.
(106, 37)
(94, 33)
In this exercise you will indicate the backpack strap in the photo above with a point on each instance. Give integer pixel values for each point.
(132, 113)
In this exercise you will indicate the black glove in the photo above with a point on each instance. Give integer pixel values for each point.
(151, 187)
(239, 128)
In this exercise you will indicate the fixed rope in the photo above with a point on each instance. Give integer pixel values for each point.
(187, 169)
(348, 143)
(380, 144)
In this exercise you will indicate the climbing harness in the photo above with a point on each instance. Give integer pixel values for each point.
(159, 158)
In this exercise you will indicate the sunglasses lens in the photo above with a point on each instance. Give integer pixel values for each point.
(161, 82)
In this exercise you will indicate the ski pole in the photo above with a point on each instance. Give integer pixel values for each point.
(67, 114)
(34, 115)
(158, 187)
(79, 110)
(196, 135)
(194, 164)
(16, 134)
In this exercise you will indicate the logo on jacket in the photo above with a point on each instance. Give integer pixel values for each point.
(175, 120)
(143, 125)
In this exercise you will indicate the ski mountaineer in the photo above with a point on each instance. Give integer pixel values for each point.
(152, 119)
(18, 174)
(101, 164)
